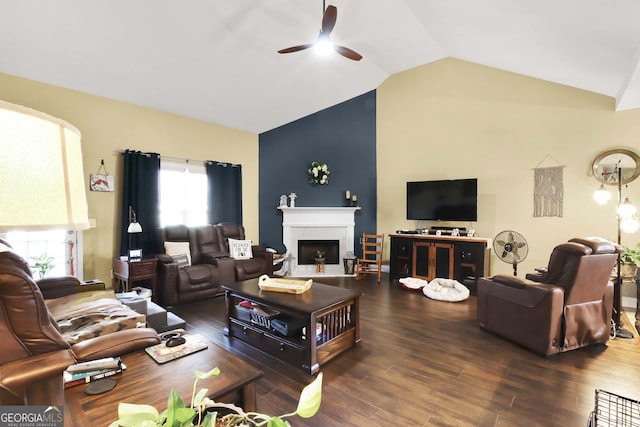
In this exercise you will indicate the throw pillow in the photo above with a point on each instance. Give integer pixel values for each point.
(177, 248)
(240, 249)
(181, 260)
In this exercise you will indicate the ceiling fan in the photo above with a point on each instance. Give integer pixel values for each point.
(330, 14)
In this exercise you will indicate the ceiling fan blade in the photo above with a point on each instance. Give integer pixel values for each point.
(296, 48)
(348, 53)
(329, 19)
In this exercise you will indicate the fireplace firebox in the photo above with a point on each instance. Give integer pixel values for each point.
(307, 250)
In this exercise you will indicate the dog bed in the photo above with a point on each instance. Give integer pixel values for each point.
(412, 283)
(446, 290)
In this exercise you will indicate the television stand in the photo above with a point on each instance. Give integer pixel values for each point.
(462, 258)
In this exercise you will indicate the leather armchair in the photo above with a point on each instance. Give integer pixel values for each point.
(34, 353)
(262, 261)
(568, 307)
(209, 270)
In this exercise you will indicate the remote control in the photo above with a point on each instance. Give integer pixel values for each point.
(93, 365)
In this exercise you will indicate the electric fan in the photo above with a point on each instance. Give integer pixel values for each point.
(511, 247)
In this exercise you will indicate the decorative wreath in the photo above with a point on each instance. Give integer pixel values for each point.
(318, 173)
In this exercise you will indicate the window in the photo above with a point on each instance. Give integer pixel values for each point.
(60, 245)
(183, 194)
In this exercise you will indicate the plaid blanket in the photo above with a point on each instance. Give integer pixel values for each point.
(90, 314)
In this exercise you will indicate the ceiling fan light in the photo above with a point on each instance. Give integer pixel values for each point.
(323, 46)
(602, 195)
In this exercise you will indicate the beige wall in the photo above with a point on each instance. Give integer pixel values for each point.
(448, 119)
(108, 127)
(453, 119)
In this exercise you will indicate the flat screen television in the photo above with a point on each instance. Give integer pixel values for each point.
(444, 200)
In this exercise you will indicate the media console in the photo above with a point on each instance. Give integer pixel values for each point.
(464, 259)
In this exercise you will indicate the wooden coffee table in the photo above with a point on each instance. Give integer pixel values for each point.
(145, 381)
(324, 322)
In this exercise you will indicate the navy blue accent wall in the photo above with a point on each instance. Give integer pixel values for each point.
(343, 137)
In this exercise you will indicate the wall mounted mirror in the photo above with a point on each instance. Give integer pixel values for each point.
(606, 164)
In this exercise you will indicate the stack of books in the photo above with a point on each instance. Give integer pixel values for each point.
(92, 371)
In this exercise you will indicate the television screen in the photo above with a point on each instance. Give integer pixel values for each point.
(444, 200)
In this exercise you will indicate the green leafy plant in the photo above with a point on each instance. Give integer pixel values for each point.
(203, 412)
(631, 256)
(42, 264)
(319, 254)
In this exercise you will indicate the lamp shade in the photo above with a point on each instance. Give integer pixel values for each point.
(41, 174)
(134, 227)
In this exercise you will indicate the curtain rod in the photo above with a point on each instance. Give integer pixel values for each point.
(184, 160)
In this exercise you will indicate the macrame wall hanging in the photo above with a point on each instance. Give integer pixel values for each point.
(548, 190)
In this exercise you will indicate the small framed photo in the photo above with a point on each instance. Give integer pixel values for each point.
(98, 182)
(135, 254)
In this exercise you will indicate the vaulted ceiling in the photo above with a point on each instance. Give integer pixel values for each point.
(217, 60)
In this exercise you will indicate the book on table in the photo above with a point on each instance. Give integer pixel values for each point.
(79, 378)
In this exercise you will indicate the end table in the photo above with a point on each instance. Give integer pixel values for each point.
(127, 272)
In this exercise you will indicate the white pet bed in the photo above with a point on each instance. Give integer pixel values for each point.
(446, 290)
(412, 283)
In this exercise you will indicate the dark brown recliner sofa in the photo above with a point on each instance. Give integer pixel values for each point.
(34, 353)
(210, 268)
(569, 308)
(261, 262)
(211, 264)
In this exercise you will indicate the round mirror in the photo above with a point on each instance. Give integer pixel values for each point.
(606, 164)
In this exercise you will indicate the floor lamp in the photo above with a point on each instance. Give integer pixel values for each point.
(625, 212)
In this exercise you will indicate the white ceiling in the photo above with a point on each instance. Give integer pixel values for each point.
(216, 60)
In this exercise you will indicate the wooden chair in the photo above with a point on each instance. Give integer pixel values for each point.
(371, 261)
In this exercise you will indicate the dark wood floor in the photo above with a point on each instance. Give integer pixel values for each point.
(427, 363)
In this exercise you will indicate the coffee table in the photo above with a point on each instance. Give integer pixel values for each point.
(145, 381)
(323, 322)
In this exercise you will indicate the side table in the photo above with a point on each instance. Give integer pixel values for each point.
(127, 272)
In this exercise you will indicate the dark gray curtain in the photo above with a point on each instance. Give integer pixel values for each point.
(225, 192)
(140, 191)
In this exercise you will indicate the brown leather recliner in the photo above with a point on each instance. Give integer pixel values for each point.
(261, 262)
(570, 308)
(34, 353)
(210, 267)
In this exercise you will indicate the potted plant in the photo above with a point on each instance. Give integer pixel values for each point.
(319, 258)
(42, 264)
(630, 261)
(204, 412)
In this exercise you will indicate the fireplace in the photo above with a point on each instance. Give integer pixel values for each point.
(330, 229)
(307, 250)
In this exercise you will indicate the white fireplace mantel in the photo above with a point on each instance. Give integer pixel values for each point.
(309, 223)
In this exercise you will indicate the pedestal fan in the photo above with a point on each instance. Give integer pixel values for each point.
(511, 247)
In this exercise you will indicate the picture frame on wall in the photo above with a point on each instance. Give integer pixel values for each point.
(101, 181)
